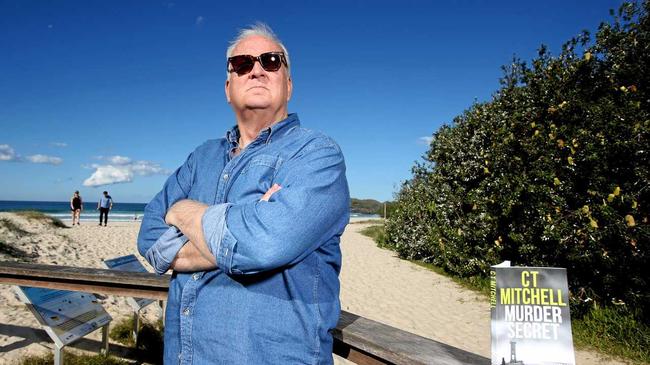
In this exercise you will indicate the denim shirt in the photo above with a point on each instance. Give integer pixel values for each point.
(274, 295)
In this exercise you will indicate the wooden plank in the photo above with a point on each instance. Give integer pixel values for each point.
(89, 288)
(357, 339)
(397, 346)
(102, 281)
(84, 274)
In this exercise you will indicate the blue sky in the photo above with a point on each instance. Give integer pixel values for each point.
(117, 94)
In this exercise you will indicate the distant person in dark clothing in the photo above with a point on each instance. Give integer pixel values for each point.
(76, 206)
(104, 206)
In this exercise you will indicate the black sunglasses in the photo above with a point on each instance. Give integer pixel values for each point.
(243, 64)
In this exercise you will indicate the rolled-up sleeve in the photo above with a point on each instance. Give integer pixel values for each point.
(159, 243)
(310, 209)
(163, 252)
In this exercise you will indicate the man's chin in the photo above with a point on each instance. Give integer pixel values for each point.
(257, 104)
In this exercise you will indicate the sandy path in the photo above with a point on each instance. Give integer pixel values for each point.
(378, 285)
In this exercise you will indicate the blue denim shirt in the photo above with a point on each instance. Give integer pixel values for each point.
(274, 296)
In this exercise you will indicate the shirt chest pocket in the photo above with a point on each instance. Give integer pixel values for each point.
(255, 178)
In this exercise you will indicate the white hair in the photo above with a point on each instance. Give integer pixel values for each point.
(259, 29)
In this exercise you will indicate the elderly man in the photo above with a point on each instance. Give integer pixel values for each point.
(250, 225)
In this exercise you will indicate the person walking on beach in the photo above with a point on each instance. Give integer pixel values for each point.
(104, 205)
(250, 224)
(76, 206)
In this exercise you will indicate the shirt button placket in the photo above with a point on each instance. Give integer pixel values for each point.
(188, 299)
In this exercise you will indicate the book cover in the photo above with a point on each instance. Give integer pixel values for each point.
(531, 322)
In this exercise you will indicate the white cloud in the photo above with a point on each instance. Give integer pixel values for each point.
(59, 144)
(38, 158)
(108, 174)
(199, 20)
(118, 160)
(425, 140)
(146, 168)
(7, 153)
(122, 170)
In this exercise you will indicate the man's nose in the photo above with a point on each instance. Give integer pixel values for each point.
(257, 70)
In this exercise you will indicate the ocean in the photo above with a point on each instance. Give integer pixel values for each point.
(122, 212)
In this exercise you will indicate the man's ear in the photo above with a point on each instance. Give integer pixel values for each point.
(289, 88)
(227, 91)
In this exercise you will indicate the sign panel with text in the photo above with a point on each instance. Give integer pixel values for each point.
(129, 263)
(65, 315)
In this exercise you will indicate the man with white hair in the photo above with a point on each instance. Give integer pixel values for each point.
(250, 224)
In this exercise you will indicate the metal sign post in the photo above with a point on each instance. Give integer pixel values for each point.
(131, 263)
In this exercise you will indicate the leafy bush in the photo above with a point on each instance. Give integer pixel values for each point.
(553, 171)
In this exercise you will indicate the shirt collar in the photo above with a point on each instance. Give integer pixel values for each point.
(276, 130)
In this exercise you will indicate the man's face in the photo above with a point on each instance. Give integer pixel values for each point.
(258, 89)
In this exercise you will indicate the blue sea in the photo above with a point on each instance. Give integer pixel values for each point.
(122, 212)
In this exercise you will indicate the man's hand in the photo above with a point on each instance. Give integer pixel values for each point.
(190, 258)
(185, 214)
(273, 189)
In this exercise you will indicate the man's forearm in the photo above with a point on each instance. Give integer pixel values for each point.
(190, 258)
(194, 256)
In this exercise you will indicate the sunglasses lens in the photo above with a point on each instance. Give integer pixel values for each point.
(242, 64)
(271, 61)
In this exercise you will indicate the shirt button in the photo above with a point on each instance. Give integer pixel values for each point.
(225, 176)
(195, 276)
(186, 311)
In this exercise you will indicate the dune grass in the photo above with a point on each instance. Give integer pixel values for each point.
(13, 228)
(73, 359)
(36, 215)
(615, 331)
(150, 339)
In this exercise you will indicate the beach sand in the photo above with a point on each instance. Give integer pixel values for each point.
(374, 284)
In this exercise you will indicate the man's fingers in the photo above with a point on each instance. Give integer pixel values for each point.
(270, 192)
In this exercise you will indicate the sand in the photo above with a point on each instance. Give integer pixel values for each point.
(374, 284)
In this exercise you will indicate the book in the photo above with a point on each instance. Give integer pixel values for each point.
(531, 321)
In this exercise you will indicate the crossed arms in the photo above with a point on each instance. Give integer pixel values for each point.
(186, 216)
(279, 229)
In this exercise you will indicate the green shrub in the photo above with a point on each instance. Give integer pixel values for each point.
(553, 171)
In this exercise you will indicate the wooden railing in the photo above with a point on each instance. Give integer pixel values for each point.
(358, 339)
